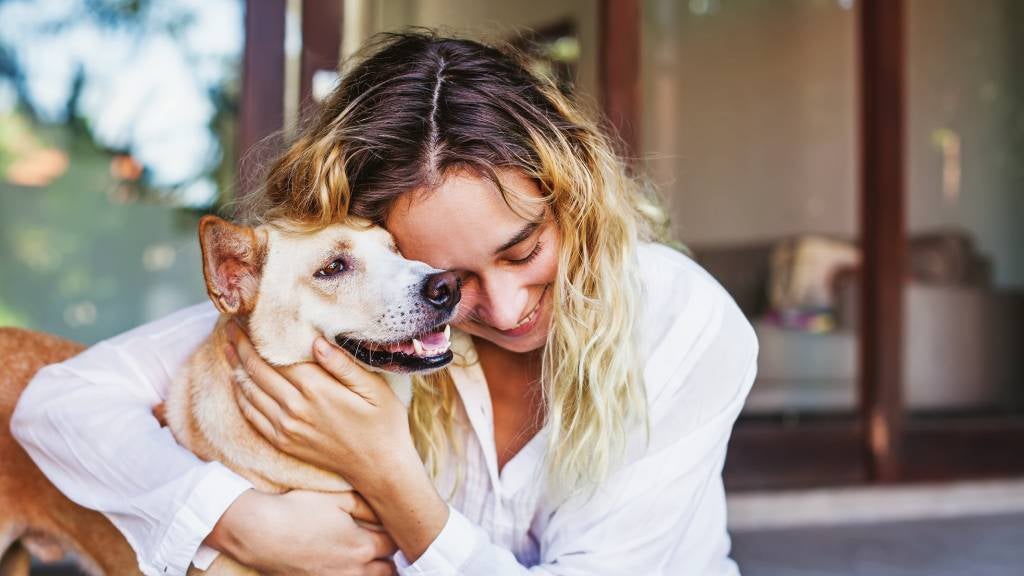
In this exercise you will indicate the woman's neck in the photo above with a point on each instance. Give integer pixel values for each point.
(490, 352)
(513, 380)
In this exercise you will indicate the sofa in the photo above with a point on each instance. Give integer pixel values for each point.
(963, 336)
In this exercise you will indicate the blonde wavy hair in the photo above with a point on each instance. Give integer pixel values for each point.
(417, 106)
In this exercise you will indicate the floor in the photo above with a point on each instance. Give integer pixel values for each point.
(972, 546)
(976, 546)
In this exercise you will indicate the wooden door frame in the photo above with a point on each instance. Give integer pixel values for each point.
(321, 43)
(879, 443)
(883, 443)
(883, 233)
(619, 42)
(261, 105)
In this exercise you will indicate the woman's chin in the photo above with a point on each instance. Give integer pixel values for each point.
(530, 342)
(522, 345)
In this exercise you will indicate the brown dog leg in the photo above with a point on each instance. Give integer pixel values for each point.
(28, 500)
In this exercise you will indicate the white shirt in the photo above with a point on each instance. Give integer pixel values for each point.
(86, 422)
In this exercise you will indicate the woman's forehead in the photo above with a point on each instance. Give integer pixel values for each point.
(465, 218)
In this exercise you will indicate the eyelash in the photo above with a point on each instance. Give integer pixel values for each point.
(529, 258)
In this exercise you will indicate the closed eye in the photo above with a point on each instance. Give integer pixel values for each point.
(529, 257)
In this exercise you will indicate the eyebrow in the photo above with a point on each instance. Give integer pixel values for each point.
(523, 234)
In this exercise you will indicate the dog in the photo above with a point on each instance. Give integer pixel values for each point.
(346, 282)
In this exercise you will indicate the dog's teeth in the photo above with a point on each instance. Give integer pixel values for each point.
(447, 332)
(418, 346)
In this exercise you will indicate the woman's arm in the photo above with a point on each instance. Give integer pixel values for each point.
(663, 512)
(303, 533)
(87, 424)
(340, 417)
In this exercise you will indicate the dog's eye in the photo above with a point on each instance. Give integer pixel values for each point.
(333, 269)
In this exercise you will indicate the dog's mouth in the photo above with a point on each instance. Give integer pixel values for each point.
(428, 351)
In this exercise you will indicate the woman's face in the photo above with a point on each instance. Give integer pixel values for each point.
(506, 258)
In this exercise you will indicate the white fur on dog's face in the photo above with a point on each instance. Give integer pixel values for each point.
(376, 294)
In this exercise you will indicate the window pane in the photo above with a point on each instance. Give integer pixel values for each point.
(749, 126)
(964, 295)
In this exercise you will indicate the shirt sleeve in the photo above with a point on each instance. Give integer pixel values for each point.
(663, 512)
(88, 426)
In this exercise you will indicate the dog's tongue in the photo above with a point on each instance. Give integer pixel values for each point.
(433, 340)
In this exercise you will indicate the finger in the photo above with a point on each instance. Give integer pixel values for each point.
(383, 545)
(309, 378)
(260, 401)
(260, 422)
(345, 369)
(371, 527)
(381, 568)
(262, 374)
(356, 507)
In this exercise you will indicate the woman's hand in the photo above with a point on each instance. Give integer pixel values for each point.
(303, 533)
(338, 416)
(333, 413)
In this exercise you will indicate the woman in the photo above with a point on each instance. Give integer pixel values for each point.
(585, 430)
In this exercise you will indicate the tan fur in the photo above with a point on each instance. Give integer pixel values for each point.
(203, 414)
(264, 275)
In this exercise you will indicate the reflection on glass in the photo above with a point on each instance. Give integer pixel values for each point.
(750, 129)
(964, 295)
(113, 117)
(144, 78)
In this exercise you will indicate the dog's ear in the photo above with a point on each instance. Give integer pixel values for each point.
(232, 263)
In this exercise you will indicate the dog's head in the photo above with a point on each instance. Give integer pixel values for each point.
(346, 282)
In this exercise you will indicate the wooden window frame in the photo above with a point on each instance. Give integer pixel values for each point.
(261, 106)
(880, 443)
(893, 447)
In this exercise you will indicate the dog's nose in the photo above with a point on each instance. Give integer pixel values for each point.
(442, 290)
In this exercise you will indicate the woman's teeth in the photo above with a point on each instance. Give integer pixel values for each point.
(533, 313)
(526, 320)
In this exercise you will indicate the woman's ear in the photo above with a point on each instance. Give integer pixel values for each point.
(232, 264)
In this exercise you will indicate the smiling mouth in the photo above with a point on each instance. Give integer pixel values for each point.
(536, 309)
(428, 351)
(529, 318)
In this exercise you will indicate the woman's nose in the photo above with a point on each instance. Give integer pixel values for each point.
(502, 304)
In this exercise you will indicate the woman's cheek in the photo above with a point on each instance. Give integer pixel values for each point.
(547, 262)
(464, 312)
